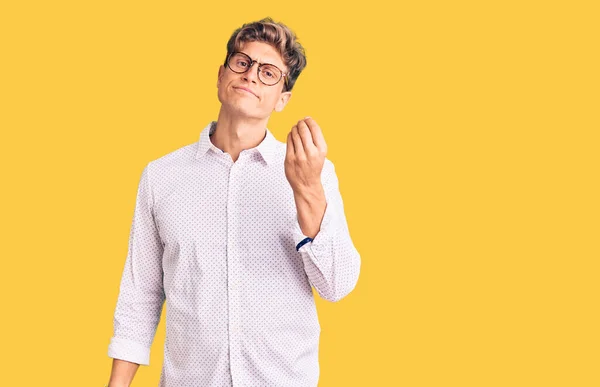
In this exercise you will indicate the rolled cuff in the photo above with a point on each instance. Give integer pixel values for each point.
(327, 230)
(129, 350)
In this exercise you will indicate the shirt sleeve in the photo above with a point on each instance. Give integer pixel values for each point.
(141, 294)
(331, 261)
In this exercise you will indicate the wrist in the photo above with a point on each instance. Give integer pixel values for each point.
(310, 195)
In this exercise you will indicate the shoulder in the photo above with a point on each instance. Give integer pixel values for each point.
(173, 160)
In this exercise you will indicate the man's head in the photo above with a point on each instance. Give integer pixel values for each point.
(264, 42)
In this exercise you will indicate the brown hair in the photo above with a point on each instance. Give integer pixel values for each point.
(277, 35)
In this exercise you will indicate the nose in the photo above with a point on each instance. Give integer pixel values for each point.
(251, 74)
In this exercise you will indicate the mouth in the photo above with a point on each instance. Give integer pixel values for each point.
(246, 90)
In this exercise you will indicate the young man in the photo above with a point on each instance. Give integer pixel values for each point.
(232, 231)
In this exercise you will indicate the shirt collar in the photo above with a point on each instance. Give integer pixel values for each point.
(266, 148)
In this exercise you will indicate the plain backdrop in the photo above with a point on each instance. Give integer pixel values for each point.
(465, 139)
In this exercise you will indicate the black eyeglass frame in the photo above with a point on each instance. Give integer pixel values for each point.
(252, 61)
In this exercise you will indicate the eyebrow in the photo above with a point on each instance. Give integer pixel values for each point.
(270, 63)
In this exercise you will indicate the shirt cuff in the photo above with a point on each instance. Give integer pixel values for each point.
(326, 231)
(128, 350)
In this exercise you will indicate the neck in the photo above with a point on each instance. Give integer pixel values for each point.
(234, 133)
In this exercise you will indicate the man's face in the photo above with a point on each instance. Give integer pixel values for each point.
(263, 99)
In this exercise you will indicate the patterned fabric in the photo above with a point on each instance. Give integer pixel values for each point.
(220, 242)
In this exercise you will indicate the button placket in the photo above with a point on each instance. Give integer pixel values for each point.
(232, 263)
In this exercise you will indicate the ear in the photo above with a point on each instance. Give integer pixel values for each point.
(282, 101)
(220, 74)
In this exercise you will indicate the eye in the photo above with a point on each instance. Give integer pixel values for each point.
(270, 72)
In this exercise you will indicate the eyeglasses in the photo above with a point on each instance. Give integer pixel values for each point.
(268, 74)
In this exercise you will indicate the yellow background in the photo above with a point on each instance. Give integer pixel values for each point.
(464, 134)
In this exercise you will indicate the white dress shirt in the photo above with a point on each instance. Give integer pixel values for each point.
(221, 243)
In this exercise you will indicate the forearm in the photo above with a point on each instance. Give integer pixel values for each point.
(310, 205)
(331, 260)
(122, 373)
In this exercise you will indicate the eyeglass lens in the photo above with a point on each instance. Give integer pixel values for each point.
(269, 74)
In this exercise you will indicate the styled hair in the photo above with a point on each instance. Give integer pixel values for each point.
(280, 37)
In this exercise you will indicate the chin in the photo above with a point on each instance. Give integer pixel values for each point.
(244, 111)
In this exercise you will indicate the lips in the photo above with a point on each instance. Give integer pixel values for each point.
(248, 90)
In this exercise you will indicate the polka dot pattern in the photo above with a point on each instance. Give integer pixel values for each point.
(219, 243)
